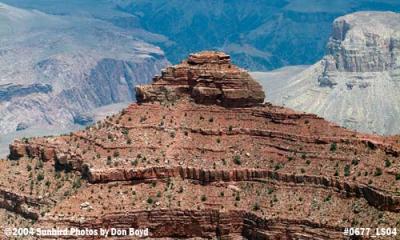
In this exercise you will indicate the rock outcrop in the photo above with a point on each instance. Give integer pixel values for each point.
(208, 78)
(356, 83)
(205, 164)
(364, 42)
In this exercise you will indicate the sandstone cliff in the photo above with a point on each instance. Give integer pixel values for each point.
(208, 78)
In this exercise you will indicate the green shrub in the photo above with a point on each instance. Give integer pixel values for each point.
(203, 198)
(355, 162)
(237, 198)
(347, 170)
(398, 176)
(387, 163)
(40, 177)
(278, 166)
(333, 147)
(109, 161)
(125, 131)
(237, 160)
(328, 198)
(336, 173)
(378, 171)
(256, 206)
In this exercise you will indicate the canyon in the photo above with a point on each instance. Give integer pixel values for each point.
(259, 35)
(200, 155)
(55, 70)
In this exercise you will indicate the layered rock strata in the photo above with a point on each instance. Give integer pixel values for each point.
(208, 78)
(357, 81)
(217, 165)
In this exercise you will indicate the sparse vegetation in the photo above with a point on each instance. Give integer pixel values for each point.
(328, 198)
(256, 206)
(336, 173)
(237, 198)
(355, 162)
(237, 160)
(398, 176)
(40, 177)
(333, 147)
(109, 160)
(378, 171)
(278, 166)
(387, 163)
(203, 198)
(347, 170)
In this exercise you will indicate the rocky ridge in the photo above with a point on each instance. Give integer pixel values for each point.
(237, 170)
(356, 83)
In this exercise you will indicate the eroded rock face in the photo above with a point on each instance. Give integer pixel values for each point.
(206, 77)
(45, 85)
(356, 82)
(365, 42)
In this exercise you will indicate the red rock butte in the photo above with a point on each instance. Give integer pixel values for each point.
(207, 78)
(201, 156)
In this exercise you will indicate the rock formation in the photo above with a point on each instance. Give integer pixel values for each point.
(188, 163)
(208, 78)
(356, 83)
